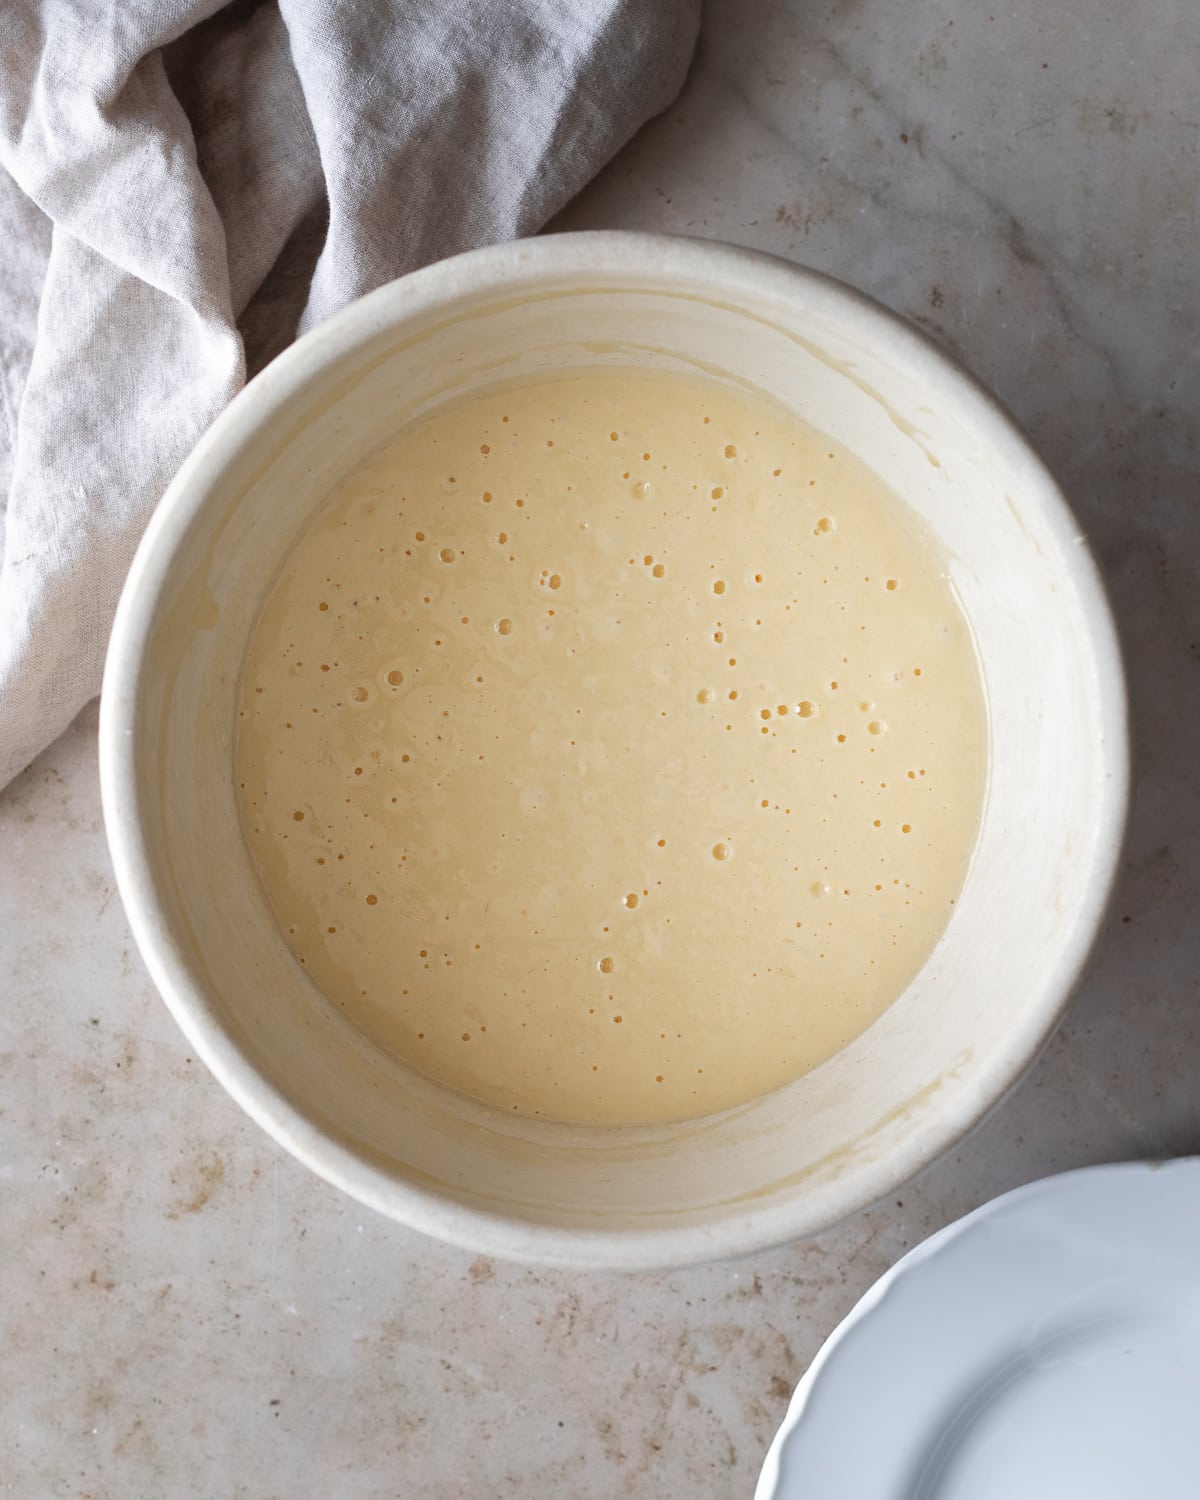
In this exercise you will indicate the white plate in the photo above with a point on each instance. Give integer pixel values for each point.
(1046, 1347)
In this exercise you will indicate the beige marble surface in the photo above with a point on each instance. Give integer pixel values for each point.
(186, 1311)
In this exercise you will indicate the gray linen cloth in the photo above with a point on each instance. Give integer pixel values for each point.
(188, 184)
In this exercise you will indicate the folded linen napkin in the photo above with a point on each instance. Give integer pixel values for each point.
(187, 184)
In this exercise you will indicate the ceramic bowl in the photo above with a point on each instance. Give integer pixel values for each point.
(839, 1138)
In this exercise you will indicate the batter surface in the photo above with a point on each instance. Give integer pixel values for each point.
(612, 748)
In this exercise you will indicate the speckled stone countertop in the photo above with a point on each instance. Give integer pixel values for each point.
(186, 1311)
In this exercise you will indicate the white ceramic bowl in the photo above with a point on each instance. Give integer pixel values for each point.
(851, 1131)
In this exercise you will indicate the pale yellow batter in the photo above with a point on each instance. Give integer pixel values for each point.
(612, 748)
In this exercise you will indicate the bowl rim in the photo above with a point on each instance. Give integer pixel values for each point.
(518, 266)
